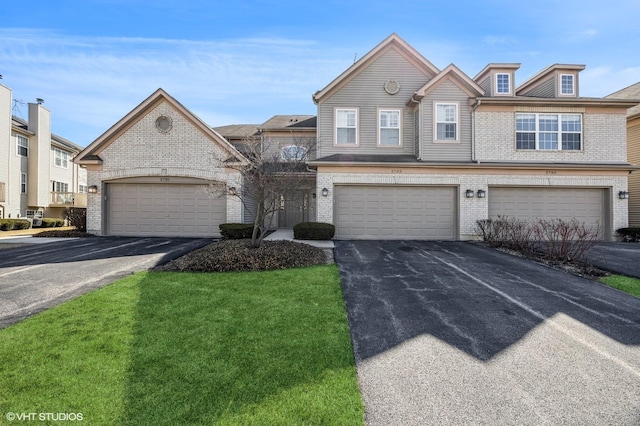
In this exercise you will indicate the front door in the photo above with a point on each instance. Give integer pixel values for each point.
(294, 208)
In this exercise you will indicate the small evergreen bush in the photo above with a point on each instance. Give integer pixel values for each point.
(314, 231)
(629, 234)
(236, 231)
(14, 224)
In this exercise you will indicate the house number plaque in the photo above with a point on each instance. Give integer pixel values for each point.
(396, 170)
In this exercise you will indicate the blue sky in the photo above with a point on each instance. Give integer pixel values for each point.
(232, 62)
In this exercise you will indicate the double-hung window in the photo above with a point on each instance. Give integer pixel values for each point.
(503, 85)
(389, 122)
(60, 186)
(23, 146)
(23, 183)
(347, 126)
(567, 86)
(549, 132)
(61, 158)
(446, 122)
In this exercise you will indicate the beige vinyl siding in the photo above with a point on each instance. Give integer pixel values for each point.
(633, 135)
(366, 92)
(546, 89)
(446, 92)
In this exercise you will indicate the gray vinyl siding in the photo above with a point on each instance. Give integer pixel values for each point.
(366, 93)
(438, 151)
(546, 89)
(486, 85)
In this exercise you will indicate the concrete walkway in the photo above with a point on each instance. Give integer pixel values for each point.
(287, 234)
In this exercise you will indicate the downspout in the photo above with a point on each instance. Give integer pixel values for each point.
(473, 130)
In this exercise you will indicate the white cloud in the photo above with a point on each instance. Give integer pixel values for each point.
(89, 83)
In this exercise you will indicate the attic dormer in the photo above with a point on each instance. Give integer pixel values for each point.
(556, 81)
(497, 79)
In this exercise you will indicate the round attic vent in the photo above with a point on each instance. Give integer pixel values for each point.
(163, 124)
(392, 87)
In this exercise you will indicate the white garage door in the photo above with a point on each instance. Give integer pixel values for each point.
(162, 210)
(395, 212)
(585, 204)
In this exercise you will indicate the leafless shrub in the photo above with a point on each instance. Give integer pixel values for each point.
(556, 240)
(565, 241)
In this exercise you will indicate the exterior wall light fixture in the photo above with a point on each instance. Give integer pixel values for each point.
(325, 192)
(92, 189)
(469, 193)
(623, 195)
(482, 193)
(233, 191)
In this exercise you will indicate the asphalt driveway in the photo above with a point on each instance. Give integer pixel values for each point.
(455, 333)
(622, 258)
(35, 277)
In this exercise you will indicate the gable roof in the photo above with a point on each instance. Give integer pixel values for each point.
(496, 66)
(91, 154)
(458, 77)
(237, 131)
(632, 92)
(393, 41)
(539, 77)
(287, 122)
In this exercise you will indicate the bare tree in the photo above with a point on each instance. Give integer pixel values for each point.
(275, 167)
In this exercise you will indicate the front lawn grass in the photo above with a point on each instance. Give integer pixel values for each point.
(190, 348)
(623, 283)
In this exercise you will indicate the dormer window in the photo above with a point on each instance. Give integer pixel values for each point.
(567, 85)
(503, 84)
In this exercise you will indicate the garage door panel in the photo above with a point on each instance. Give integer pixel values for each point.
(587, 205)
(394, 212)
(164, 210)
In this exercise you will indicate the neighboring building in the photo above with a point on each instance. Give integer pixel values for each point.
(38, 177)
(633, 149)
(403, 150)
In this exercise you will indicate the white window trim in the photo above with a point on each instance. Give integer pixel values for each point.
(508, 92)
(18, 146)
(335, 127)
(58, 154)
(559, 133)
(24, 183)
(573, 85)
(435, 122)
(399, 111)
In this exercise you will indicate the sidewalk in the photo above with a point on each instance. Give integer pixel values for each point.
(287, 234)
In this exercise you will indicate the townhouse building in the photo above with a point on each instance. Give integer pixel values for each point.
(38, 177)
(404, 150)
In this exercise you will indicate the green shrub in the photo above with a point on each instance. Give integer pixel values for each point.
(48, 222)
(77, 218)
(629, 234)
(13, 224)
(313, 231)
(236, 231)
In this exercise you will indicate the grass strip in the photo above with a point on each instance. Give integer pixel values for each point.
(190, 348)
(627, 284)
